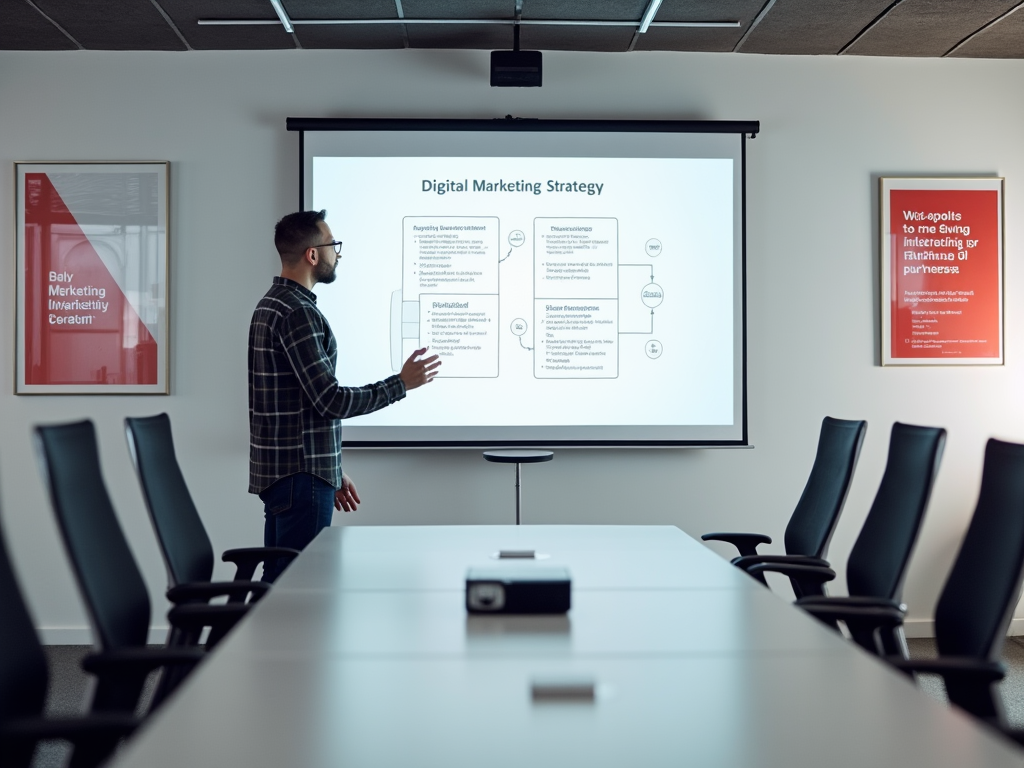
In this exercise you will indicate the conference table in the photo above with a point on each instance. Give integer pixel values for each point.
(363, 654)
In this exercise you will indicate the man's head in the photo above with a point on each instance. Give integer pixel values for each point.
(303, 240)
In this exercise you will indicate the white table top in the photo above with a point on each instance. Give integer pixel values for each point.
(363, 655)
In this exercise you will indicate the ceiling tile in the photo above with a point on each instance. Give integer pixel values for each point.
(811, 27)
(25, 29)
(459, 9)
(186, 14)
(596, 10)
(927, 27)
(351, 36)
(340, 9)
(1003, 40)
(565, 38)
(688, 39)
(482, 36)
(744, 11)
(114, 25)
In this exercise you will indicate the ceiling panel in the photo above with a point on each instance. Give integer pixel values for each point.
(744, 11)
(563, 38)
(114, 25)
(186, 13)
(811, 27)
(484, 36)
(596, 10)
(337, 9)
(697, 39)
(688, 39)
(927, 27)
(354, 36)
(1003, 40)
(25, 29)
(459, 9)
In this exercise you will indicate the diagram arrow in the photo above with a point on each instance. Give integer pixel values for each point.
(640, 333)
(509, 254)
(526, 347)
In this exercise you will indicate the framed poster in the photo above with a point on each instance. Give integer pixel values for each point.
(92, 244)
(942, 271)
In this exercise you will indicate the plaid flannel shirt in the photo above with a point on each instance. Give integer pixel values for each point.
(295, 402)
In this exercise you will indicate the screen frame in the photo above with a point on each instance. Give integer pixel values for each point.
(744, 128)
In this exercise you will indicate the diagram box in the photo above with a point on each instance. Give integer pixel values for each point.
(576, 258)
(449, 254)
(576, 339)
(463, 330)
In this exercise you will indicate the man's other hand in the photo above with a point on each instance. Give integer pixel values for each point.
(416, 373)
(347, 497)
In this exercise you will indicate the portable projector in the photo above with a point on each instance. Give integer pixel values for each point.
(516, 69)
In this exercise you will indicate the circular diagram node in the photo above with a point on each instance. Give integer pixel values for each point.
(516, 238)
(653, 247)
(653, 349)
(652, 295)
(519, 326)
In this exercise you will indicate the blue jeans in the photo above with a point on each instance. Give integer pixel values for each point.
(296, 508)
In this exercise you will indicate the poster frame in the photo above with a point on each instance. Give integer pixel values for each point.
(162, 288)
(937, 183)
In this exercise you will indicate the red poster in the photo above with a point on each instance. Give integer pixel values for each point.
(942, 267)
(92, 278)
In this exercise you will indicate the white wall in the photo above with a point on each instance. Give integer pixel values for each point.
(829, 127)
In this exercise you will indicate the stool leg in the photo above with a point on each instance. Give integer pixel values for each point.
(519, 489)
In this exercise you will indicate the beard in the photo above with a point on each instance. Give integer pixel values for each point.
(324, 273)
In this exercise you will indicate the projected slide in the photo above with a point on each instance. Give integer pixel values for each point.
(573, 299)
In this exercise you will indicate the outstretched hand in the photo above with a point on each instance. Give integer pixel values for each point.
(416, 373)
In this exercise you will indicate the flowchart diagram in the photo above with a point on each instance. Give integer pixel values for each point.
(586, 301)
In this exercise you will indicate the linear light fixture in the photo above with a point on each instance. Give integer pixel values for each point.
(649, 14)
(282, 14)
(507, 22)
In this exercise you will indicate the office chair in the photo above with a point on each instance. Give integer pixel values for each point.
(978, 599)
(184, 543)
(108, 577)
(814, 519)
(24, 678)
(878, 561)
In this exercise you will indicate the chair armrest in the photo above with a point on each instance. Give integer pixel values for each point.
(748, 561)
(204, 591)
(746, 543)
(959, 668)
(78, 730)
(861, 620)
(192, 618)
(247, 558)
(806, 579)
(140, 660)
(851, 602)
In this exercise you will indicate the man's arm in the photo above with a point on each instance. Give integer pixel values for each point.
(311, 365)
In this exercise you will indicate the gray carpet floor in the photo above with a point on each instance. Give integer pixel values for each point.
(69, 687)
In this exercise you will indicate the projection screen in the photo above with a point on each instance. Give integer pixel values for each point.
(582, 281)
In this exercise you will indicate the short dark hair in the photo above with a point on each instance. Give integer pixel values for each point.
(296, 232)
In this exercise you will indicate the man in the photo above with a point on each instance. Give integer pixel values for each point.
(295, 402)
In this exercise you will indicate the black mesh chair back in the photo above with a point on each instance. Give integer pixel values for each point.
(23, 672)
(24, 678)
(186, 546)
(814, 520)
(111, 584)
(981, 592)
(878, 560)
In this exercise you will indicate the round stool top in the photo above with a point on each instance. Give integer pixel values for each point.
(518, 457)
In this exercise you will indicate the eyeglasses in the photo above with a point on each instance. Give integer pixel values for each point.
(335, 243)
